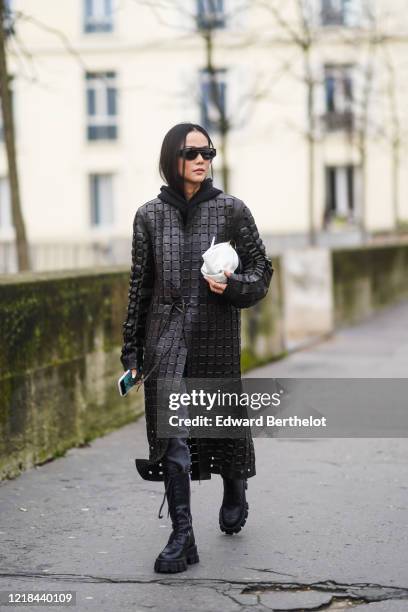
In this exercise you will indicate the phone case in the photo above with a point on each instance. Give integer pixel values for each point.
(126, 382)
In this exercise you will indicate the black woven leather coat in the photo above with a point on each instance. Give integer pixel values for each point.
(174, 319)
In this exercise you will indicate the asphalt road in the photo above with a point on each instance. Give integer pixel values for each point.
(327, 525)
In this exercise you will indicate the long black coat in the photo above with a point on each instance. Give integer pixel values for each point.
(174, 319)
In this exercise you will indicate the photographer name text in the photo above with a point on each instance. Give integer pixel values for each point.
(259, 421)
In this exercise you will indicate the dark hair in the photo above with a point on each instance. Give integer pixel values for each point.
(172, 142)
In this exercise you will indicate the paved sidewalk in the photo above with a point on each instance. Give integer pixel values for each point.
(327, 517)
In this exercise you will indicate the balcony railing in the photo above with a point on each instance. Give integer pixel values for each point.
(334, 121)
(333, 17)
(210, 20)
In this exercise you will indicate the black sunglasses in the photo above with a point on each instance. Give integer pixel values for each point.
(191, 153)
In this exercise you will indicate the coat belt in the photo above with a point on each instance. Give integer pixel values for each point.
(180, 304)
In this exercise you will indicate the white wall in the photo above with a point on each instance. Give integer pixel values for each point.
(157, 67)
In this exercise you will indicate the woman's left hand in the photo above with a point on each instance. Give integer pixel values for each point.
(217, 287)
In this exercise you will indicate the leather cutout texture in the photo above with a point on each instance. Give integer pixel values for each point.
(174, 320)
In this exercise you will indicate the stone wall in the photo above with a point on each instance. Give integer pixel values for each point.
(62, 334)
(324, 290)
(367, 279)
(307, 295)
(59, 363)
(59, 359)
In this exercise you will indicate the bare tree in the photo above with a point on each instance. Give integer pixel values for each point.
(306, 41)
(362, 106)
(23, 261)
(206, 27)
(206, 24)
(302, 30)
(374, 40)
(8, 32)
(396, 130)
(302, 35)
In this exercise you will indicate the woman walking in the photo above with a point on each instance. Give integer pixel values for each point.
(182, 324)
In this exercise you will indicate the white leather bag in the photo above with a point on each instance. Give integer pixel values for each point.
(217, 258)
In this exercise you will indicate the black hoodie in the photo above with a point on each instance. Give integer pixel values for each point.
(206, 192)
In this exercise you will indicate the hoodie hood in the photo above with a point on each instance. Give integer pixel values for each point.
(206, 192)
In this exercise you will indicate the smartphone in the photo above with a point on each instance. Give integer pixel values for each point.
(126, 382)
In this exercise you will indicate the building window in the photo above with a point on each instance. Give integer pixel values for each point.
(98, 16)
(340, 192)
(8, 18)
(338, 12)
(101, 100)
(338, 88)
(101, 200)
(6, 222)
(210, 14)
(213, 88)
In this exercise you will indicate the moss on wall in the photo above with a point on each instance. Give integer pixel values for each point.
(59, 360)
(59, 363)
(262, 325)
(54, 319)
(62, 332)
(366, 279)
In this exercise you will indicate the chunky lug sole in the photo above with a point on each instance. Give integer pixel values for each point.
(166, 566)
(230, 530)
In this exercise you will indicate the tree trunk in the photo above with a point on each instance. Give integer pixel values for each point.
(215, 98)
(9, 138)
(311, 144)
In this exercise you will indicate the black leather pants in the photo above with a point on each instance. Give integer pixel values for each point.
(178, 449)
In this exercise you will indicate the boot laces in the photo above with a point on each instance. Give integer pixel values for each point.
(164, 499)
(166, 490)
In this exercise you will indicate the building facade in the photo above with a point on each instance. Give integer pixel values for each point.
(307, 114)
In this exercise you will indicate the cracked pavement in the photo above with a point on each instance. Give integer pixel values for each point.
(327, 525)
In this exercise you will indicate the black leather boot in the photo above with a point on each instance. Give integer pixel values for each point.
(234, 509)
(181, 548)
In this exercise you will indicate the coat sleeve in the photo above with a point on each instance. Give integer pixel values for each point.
(139, 296)
(251, 283)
